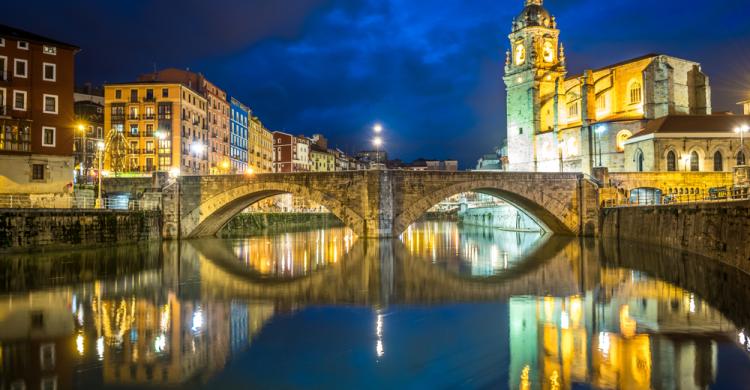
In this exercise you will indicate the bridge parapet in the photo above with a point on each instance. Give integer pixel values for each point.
(380, 203)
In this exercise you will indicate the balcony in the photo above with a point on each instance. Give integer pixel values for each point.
(118, 117)
(149, 99)
(4, 110)
(149, 117)
(133, 117)
(15, 139)
(134, 99)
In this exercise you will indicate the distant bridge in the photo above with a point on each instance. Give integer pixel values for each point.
(379, 203)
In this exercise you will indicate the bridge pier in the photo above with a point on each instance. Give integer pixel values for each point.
(379, 203)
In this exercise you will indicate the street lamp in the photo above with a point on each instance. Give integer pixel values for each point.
(100, 147)
(377, 141)
(160, 136)
(742, 130)
(82, 129)
(378, 128)
(599, 130)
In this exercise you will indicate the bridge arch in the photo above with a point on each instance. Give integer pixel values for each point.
(553, 214)
(213, 213)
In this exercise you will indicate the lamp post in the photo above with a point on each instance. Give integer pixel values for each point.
(599, 130)
(100, 146)
(160, 136)
(82, 129)
(377, 141)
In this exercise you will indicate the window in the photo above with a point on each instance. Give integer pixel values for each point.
(48, 136)
(718, 162)
(47, 356)
(639, 160)
(133, 95)
(4, 69)
(134, 130)
(671, 161)
(20, 68)
(23, 45)
(573, 110)
(19, 100)
(165, 92)
(50, 72)
(37, 172)
(2, 42)
(636, 92)
(520, 130)
(49, 383)
(51, 50)
(622, 136)
(694, 163)
(50, 104)
(740, 158)
(118, 94)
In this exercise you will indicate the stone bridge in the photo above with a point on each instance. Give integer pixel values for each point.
(379, 203)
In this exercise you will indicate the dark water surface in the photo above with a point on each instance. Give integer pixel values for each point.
(442, 307)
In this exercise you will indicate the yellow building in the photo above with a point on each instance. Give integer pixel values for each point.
(155, 126)
(260, 147)
(321, 160)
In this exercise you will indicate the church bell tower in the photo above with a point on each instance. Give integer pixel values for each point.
(534, 74)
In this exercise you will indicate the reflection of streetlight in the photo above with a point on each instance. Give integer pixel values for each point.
(100, 146)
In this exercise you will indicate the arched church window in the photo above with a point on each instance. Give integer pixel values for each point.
(718, 162)
(573, 110)
(636, 92)
(639, 160)
(622, 136)
(694, 164)
(671, 161)
(741, 158)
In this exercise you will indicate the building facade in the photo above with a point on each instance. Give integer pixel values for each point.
(37, 121)
(89, 131)
(155, 126)
(321, 160)
(239, 136)
(217, 113)
(261, 147)
(559, 122)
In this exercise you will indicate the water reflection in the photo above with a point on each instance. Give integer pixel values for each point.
(209, 313)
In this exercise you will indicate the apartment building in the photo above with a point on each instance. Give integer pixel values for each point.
(156, 126)
(217, 113)
(37, 121)
(239, 136)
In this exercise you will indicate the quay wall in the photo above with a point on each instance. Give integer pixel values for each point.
(52, 229)
(718, 230)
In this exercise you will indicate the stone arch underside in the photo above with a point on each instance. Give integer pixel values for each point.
(554, 212)
(213, 213)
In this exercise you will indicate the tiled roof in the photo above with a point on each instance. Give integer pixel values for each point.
(18, 34)
(695, 124)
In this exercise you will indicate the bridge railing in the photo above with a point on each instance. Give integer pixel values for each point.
(70, 202)
(716, 195)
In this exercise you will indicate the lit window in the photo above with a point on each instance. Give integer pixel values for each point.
(51, 50)
(50, 104)
(23, 45)
(48, 136)
(20, 68)
(19, 100)
(573, 110)
(602, 103)
(671, 161)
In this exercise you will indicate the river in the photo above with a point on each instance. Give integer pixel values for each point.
(442, 306)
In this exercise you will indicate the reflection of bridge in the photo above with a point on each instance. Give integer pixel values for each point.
(379, 203)
(382, 271)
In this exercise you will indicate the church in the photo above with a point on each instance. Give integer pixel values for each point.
(651, 113)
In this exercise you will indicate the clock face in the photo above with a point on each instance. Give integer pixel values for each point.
(520, 54)
(548, 52)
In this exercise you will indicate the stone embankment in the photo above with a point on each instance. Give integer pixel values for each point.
(52, 229)
(718, 230)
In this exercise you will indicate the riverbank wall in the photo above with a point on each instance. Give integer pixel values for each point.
(23, 230)
(717, 230)
(249, 224)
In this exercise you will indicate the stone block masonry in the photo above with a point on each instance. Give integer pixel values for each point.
(52, 229)
(717, 230)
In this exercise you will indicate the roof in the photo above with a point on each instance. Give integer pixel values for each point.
(18, 34)
(695, 124)
(624, 62)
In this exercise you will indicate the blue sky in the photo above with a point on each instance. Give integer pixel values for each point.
(430, 71)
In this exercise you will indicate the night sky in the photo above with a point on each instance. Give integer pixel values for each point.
(430, 71)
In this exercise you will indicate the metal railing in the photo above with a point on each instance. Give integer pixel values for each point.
(69, 202)
(731, 194)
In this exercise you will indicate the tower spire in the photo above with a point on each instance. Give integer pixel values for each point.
(533, 2)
